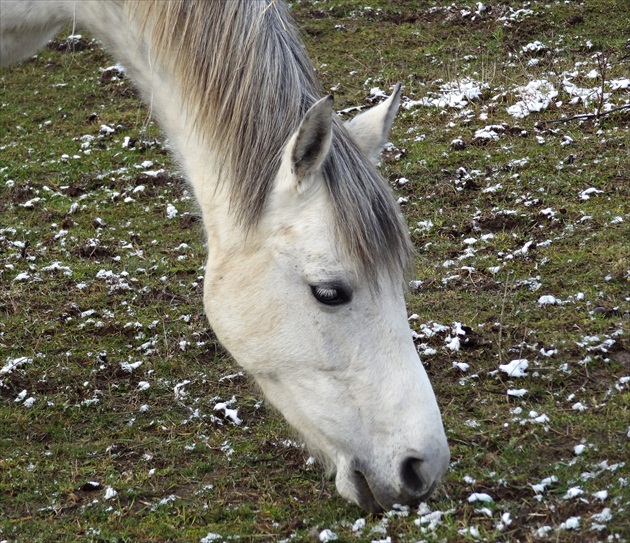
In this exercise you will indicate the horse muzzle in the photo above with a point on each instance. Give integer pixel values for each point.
(412, 480)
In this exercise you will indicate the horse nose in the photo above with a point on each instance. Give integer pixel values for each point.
(419, 477)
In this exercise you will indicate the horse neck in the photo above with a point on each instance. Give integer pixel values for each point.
(164, 96)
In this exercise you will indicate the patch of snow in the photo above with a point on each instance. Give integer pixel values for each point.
(542, 486)
(490, 132)
(13, 363)
(171, 211)
(179, 391)
(518, 393)
(231, 414)
(542, 532)
(536, 96)
(579, 449)
(358, 525)
(153, 173)
(424, 226)
(432, 519)
(604, 516)
(572, 523)
(535, 417)
(472, 530)
(210, 538)
(586, 193)
(534, 47)
(129, 367)
(453, 343)
(493, 188)
(479, 497)
(110, 493)
(504, 522)
(30, 204)
(515, 368)
(573, 492)
(616, 84)
(164, 501)
(453, 94)
(581, 94)
(327, 535)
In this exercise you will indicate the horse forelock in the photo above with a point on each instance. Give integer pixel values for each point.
(367, 219)
(248, 82)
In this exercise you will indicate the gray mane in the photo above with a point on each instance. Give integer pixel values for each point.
(248, 80)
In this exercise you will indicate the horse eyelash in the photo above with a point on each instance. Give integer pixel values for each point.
(326, 292)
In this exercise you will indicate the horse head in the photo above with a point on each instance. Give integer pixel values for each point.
(331, 348)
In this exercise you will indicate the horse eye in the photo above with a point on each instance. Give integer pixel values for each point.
(331, 294)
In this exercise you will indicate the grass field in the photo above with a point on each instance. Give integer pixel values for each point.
(115, 397)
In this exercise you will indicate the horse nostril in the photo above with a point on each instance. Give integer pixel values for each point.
(413, 479)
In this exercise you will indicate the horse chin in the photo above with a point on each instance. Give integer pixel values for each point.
(355, 488)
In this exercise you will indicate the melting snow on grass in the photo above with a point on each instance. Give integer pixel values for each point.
(478, 259)
(453, 94)
(515, 368)
(535, 96)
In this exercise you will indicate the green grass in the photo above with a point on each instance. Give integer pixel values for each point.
(179, 468)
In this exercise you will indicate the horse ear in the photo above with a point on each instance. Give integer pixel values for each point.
(370, 130)
(309, 146)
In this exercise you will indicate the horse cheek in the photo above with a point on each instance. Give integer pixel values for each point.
(241, 314)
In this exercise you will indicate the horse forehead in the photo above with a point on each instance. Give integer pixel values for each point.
(309, 245)
(305, 220)
(312, 243)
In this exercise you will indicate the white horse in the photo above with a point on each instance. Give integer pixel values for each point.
(304, 282)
